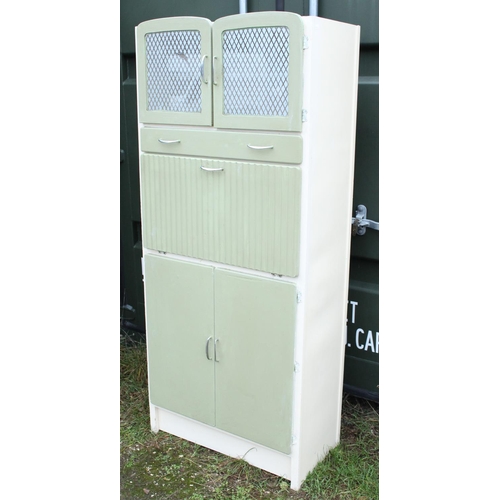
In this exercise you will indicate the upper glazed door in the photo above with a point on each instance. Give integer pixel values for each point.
(257, 71)
(174, 74)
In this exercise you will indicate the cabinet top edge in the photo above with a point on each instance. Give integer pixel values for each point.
(259, 17)
(181, 22)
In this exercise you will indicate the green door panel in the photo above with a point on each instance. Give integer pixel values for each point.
(180, 319)
(255, 326)
(246, 214)
(366, 172)
(174, 71)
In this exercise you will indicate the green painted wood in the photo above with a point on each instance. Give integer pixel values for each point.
(222, 144)
(247, 214)
(179, 320)
(176, 54)
(293, 120)
(255, 325)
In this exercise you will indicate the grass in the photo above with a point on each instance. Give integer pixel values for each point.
(161, 466)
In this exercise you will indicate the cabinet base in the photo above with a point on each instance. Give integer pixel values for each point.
(228, 444)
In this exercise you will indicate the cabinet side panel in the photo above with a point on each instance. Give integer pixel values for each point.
(330, 92)
(255, 325)
(180, 319)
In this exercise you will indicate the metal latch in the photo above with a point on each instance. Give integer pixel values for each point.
(360, 222)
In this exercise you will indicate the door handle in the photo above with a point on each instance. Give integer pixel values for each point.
(215, 349)
(206, 349)
(360, 222)
(214, 81)
(202, 70)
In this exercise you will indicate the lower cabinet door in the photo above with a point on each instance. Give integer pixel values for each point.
(221, 348)
(180, 335)
(255, 327)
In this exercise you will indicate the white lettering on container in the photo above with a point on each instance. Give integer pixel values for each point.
(354, 304)
(369, 343)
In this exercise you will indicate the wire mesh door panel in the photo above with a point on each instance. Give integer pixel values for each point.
(255, 68)
(174, 71)
(258, 71)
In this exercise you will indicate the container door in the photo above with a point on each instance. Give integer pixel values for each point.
(180, 322)
(257, 60)
(255, 326)
(361, 372)
(174, 71)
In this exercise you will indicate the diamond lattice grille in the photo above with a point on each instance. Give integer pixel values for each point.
(173, 71)
(255, 66)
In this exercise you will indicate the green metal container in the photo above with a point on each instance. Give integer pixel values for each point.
(362, 345)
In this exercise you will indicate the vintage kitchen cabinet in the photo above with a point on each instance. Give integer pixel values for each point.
(246, 137)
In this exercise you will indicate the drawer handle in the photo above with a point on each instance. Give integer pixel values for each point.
(163, 141)
(211, 169)
(259, 147)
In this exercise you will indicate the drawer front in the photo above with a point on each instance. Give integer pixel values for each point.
(220, 144)
(243, 214)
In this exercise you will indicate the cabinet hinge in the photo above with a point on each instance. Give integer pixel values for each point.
(296, 367)
(304, 115)
(294, 439)
(142, 266)
(305, 42)
(299, 297)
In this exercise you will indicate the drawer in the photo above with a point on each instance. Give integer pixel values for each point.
(275, 148)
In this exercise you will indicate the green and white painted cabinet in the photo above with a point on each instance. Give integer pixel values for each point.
(246, 143)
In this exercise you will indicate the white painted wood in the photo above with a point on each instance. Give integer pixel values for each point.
(223, 442)
(330, 94)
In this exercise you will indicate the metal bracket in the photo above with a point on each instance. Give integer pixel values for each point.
(360, 222)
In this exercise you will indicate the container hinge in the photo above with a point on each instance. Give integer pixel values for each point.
(294, 439)
(360, 222)
(142, 267)
(304, 115)
(305, 42)
(299, 297)
(296, 367)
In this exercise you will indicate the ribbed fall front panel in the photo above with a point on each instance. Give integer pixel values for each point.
(247, 215)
